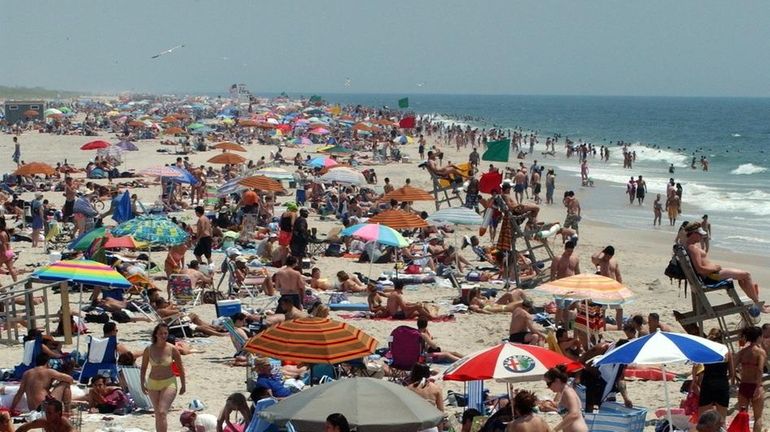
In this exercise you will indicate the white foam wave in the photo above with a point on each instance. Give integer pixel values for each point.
(736, 135)
(748, 169)
(644, 153)
(748, 239)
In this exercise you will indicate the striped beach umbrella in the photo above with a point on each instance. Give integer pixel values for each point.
(456, 216)
(84, 240)
(377, 233)
(161, 171)
(597, 288)
(156, 230)
(82, 271)
(408, 193)
(261, 183)
(227, 158)
(398, 219)
(228, 145)
(275, 173)
(312, 340)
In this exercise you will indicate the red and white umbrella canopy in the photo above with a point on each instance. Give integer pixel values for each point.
(509, 362)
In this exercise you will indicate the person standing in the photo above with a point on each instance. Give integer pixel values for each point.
(535, 183)
(70, 192)
(160, 385)
(573, 211)
(706, 225)
(300, 235)
(641, 190)
(750, 360)
(16, 151)
(38, 217)
(473, 158)
(607, 265)
(203, 233)
(657, 210)
(631, 190)
(6, 251)
(712, 381)
(550, 186)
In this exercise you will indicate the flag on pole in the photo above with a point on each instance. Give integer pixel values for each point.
(497, 151)
(407, 122)
(403, 102)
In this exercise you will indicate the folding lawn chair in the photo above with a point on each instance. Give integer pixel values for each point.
(101, 360)
(132, 384)
(32, 349)
(180, 286)
(258, 424)
(406, 348)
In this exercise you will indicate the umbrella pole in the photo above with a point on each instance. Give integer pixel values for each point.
(80, 307)
(665, 392)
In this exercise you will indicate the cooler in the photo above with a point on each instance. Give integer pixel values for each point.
(228, 308)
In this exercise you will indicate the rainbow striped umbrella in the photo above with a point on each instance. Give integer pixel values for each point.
(377, 233)
(597, 288)
(312, 340)
(84, 272)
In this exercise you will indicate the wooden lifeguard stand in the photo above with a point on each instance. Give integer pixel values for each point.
(703, 308)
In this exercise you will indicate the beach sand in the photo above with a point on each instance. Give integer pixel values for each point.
(643, 255)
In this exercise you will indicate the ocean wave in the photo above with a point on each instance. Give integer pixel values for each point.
(748, 239)
(644, 153)
(747, 169)
(736, 135)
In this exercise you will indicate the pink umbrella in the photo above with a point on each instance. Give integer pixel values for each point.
(319, 131)
(161, 171)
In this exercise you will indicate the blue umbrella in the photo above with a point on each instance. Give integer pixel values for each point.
(122, 211)
(185, 177)
(662, 348)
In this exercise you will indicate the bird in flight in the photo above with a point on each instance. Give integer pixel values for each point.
(168, 51)
(420, 84)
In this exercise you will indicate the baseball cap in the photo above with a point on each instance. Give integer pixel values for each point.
(233, 251)
(187, 418)
(695, 227)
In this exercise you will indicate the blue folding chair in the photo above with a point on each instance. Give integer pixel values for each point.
(259, 424)
(101, 360)
(32, 348)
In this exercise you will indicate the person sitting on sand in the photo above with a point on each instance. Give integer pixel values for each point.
(713, 273)
(654, 324)
(54, 420)
(374, 299)
(400, 309)
(318, 283)
(522, 328)
(349, 283)
(37, 384)
(104, 399)
(433, 349)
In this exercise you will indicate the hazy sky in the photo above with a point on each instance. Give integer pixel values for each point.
(651, 47)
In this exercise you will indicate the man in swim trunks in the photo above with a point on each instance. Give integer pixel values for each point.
(38, 384)
(400, 309)
(750, 361)
(573, 211)
(714, 272)
(203, 232)
(641, 190)
(522, 329)
(290, 282)
(607, 265)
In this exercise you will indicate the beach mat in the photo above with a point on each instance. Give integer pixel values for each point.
(357, 316)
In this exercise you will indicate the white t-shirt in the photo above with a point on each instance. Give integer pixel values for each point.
(205, 423)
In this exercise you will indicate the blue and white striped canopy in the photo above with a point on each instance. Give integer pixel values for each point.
(665, 347)
(456, 216)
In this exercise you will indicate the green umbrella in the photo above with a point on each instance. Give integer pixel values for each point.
(196, 126)
(156, 230)
(84, 241)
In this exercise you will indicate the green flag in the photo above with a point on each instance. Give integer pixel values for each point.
(403, 103)
(497, 151)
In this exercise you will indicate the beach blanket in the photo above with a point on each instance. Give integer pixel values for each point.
(366, 315)
(648, 374)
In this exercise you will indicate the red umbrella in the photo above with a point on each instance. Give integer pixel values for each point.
(510, 362)
(125, 242)
(95, 145)
(489, 181)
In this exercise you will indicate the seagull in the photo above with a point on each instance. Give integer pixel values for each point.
(168, 51)
(420, 84)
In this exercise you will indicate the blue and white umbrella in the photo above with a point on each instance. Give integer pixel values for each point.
(663, 348)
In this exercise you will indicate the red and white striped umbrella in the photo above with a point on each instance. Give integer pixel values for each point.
(509, 362)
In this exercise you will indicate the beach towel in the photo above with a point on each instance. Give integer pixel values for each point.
(360, 315)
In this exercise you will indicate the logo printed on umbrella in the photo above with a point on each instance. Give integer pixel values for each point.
(519, 363)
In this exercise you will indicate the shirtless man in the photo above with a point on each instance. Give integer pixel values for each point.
(290, 282)
(567, 264)
(573, 211)
(70, 190)
(715, 272)
(54, 420)
(400, 309)
(607, 265)
(519, 208)
(109, 329)
(750, 360)
(450, 172)
(196, 276)
(519, 185)
(522, 328)
(38, 383)
(286, 303)
(654, 324)
(203, 232)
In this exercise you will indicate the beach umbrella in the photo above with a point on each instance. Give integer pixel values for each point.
(369, 405)
(124, 242)
(185, 176)
(377, 233)
(137, 123)
(50, 112)
(261, 183)
(169, 119)
(489, 181)
(345, 176)
(157, 230)
(408, 193)
(195, 126)
(84, 240)
(174, 131)
(247, 123)
(319, 131)
(33, 168)
(321, 162)
(275, 173)
(302, 141)
(122, 210)
(95, 145)
(127, 146)
(456, 216)
(508, 362)
(31, 113)
(665, 348)
(398, 219)
(227, 145)
(312, 340)
(161, 171)
(597, 288)
(227, 158)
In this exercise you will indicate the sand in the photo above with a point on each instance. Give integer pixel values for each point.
(642, 256)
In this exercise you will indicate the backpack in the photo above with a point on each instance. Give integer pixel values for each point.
(674, 270)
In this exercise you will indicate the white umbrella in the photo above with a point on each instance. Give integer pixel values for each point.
(345, 176)
(456, 216)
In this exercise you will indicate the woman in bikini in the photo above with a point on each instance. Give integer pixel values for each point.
(566, 402)
(750, 360)
(160, 386)
(6, 252)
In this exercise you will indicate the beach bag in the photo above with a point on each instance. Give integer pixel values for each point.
(674, 270)
(211, 297)
(333, 250)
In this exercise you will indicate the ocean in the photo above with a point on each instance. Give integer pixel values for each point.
(733, 133)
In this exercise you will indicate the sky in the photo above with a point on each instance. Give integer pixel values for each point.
(552, 47)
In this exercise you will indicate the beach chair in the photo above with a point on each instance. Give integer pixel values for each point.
(615, 417)
(448, 188)
(476, 395)
(259, 424)
(180, 286)
(553, 343)
(132, 384)
(406, 348)
(32, 349)
(101, 360)
(238, 339)
(321, 374)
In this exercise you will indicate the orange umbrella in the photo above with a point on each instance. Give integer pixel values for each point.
(181, 115)
(247, 123)
(125, 242)
(227, 145)
(408, 193)
(262, 183)
(600, 289)
(398, 219)
(169, 119)
(313, 341)
(173, 131)
(227, 158)
(33, 168)
(136, 123)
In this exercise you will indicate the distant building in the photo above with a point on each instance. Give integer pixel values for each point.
(21, 111)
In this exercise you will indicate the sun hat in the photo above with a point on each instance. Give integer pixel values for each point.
(196, 405)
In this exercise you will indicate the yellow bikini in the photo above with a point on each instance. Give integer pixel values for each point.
(160, 384)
